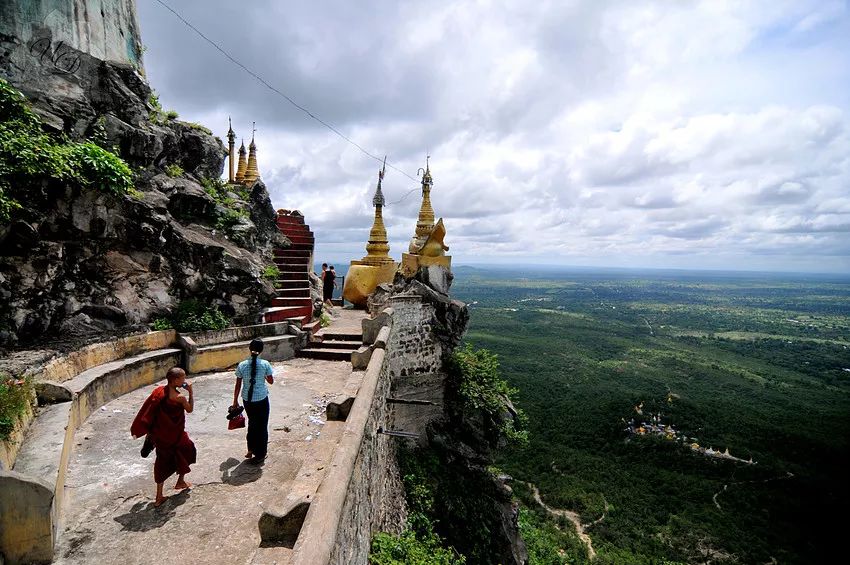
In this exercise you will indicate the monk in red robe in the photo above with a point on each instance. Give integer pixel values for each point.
(163, 419)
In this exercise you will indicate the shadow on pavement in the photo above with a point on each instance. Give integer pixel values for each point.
(237, 474)
(144, 516)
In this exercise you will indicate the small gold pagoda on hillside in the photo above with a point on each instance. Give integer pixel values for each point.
(377, 266)
(426, 247)
(247, 172)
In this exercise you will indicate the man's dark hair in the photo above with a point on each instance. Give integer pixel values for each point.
(325, 265)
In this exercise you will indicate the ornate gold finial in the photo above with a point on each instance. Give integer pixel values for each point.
(243, 164)
(425, 223)
(231, 144)
(378, 247)
(377, 266)
(252, 173)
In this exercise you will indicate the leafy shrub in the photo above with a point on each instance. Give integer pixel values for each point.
(174, 170)
(172, 115)
(271, 272)
(408, 549)
(192, 316)
(161, 324)
(230, 218)
(482, 388)
(15, 397)
(324, 319)
(28, 156)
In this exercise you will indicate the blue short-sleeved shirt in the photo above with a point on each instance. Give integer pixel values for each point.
(243, 370)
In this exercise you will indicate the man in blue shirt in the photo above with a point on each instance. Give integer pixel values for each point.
(256, 373)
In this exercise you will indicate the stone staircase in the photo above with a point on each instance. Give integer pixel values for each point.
(331, 345)
(293, 301)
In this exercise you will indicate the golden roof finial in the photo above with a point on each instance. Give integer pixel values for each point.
(243, 164)
(252, 173)
(425, 223)
(378, 247)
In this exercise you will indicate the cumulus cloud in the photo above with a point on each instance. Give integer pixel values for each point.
(699, 134)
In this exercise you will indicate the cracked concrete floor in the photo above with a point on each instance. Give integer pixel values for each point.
(108, 512)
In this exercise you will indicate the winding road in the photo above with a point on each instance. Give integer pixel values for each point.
(572, 517)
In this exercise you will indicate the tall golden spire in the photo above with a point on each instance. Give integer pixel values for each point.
(425, 223)
(231, 144)
(243, 164)
(378, 247)
(253, 173)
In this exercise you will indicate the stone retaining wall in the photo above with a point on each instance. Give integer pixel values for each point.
(70, 365)
(362, 492)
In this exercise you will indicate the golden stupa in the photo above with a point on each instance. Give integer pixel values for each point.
(252, 173)
(243, 165)
(377, 266)
(426, 247)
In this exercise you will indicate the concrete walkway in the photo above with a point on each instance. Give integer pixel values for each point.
(109, 515)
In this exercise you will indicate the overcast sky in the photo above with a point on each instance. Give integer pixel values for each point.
(626, 133)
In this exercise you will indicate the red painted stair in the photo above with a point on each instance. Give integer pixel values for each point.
(292, 299)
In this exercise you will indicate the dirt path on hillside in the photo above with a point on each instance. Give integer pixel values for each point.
(572, 517)
(788, 475)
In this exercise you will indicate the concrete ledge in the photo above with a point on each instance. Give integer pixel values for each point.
(371, 326)
(226, 355)
(319, 532)
(27, 519)
(383, 338)
(67, 367)
(239, 333)
(360, 358)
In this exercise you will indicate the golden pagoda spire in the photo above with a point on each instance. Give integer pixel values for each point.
(231, 145)
(243, 165)
(425, 223)
(252, 173)
(378, 247)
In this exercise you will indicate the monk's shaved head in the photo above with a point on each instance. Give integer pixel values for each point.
(175, 373)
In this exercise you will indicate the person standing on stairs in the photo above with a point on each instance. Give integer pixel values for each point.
(329, 282)
(255, 396)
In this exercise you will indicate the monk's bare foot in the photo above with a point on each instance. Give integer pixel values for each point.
(249, 455)
(182, 485)
(159, 500)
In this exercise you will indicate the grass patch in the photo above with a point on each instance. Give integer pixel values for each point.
(15, 398)
(174, 170)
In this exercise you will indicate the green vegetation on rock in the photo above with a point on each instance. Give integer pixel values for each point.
(409, 549)
(482, 388)
(29, 157)
(218, 190)
(192, 316)
(174, 170)
(271, 272)
(15, 398)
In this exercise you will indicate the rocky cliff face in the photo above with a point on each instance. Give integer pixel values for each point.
(475, 510)
(76, 262)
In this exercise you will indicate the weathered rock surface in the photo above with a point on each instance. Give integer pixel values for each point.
(464, 439)
(79, 262)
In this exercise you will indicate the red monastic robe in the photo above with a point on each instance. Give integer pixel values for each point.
(164, 421)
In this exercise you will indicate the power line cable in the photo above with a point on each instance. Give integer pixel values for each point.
(262, 81)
